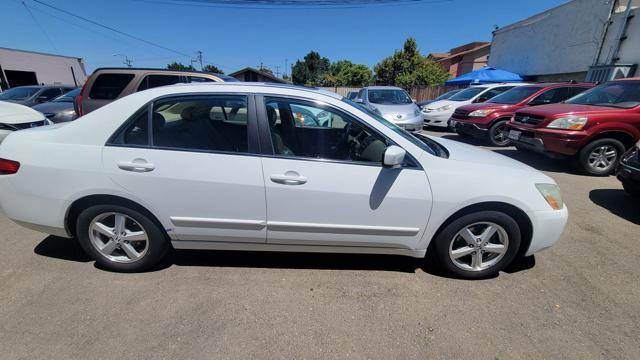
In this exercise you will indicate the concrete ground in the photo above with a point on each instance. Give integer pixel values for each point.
(578, 300)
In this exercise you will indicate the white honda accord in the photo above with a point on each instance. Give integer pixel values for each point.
(241, 166)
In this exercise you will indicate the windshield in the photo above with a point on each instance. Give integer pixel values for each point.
(515, 95)
(389, 97)
(447, 95)
(426, 144)
(467, 94)
(68, 97)
(19, 93)
(619, 94)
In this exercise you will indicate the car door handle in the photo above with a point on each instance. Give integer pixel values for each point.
(289, 178)
(137, 165)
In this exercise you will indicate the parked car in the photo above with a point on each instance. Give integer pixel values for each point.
(60, 109)
(34, 94)
(351, 95)
(105, 85)
(629, 170)
(489, 120)
(439, 112)
(226, 166)
(393, 104)
(15, 117)
(444, 96)
(594, 128)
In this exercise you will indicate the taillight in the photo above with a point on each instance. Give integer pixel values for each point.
(78, 100)
(8, 167)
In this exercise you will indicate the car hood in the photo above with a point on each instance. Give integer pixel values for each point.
(484, 106)
(53, 107)
(552, 110)
(11, 113)
(440, 103)
(396, 109)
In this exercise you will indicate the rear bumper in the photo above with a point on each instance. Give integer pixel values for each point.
(548, 226)
(551, 142)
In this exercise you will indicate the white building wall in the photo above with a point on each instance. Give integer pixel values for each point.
(561, 40)
(49, 69)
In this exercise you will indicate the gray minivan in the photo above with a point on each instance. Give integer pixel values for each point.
(108, 84)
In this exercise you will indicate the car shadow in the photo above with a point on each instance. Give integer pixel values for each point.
(69, 250)
(617, 202)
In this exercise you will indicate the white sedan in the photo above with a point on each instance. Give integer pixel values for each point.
(230, 166)
(15, 117)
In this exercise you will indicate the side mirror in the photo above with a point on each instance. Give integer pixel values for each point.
(393, 156)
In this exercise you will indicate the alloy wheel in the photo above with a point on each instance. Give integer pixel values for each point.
(500, 137)
(118, 237)
(479, 246)
(603, 157)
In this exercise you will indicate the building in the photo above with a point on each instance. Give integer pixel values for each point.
(463, 59)
(20, 67)
(592, 40)
(250, 74)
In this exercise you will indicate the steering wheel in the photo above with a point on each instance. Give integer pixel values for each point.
(343, 141)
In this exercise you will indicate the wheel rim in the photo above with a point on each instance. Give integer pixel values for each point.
(118, 237)
(603, 157)
(501, 135)
(479, 246)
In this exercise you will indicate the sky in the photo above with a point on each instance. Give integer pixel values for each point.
(235, 37)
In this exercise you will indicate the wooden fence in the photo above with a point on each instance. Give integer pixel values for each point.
(419, 93)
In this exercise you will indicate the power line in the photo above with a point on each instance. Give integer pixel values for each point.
(41, 28)
(291, 4)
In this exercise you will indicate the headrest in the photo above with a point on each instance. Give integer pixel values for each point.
(271, 115)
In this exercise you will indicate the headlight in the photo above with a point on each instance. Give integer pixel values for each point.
(416, 112)
(569, 123)
(551, 193)
(444, 108)
(481, 113)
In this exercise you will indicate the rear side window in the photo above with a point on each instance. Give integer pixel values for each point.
(199, 79)
(153, 81)
(109, 86)
(575, 90)
(137, 132)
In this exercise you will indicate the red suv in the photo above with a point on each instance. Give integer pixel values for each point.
(594, 127)
(488, 120)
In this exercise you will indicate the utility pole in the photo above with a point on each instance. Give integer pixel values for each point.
(285, 67)
(277, 71)
(200, 59)
(127, 61)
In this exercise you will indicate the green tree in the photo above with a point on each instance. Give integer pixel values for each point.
(179, 66)
(407, 67)
(310, 70)
(213, 69)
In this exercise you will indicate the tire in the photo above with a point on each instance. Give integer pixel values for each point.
(449, 241)
(589, 161)
(95, 228)
(497, 137)
(631, 189)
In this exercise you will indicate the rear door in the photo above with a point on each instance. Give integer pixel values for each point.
(193, 162)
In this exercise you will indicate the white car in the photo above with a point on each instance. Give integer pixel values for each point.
(439, 112)
(15, 117)
(393, 104)
(229, 166)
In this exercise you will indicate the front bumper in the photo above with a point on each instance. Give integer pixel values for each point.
(468, 128)
(548, 226)
(413, 124)
(551, 142)
(440, 118)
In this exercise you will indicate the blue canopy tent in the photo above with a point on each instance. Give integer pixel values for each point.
(486, 75)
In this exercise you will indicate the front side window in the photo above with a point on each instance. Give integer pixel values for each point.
(489, 94)
(515, 95)
(389, 97)
(551, 96)
(50, 94)
(109, 86)
(209, 123)
(153, 81)
(619, 94)
(308, 130)
(467, 94)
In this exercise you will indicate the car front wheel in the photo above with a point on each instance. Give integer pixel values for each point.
(498, 134)
(478, 245)
(600, 157)
(121, 239)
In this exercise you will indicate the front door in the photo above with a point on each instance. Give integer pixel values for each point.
(325, 183)
(194, 167)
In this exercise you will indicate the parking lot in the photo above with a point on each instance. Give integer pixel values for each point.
(578, 300)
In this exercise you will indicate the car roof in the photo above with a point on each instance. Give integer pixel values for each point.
(380, 87)
(260, 85)
(133, 70)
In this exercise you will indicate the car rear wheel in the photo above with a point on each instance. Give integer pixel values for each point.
(498, 134)
(600, 157)
(121, 239)
(478, 245)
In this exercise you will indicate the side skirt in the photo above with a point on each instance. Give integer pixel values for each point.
(211, 245)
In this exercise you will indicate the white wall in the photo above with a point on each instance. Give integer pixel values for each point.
(561, 40)
(49, 69)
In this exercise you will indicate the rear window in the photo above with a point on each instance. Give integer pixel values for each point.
(109, 86)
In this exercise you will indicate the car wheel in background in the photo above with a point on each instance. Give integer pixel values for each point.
(498, 134)
(478, 245)
(121, 239)
(600, 157)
